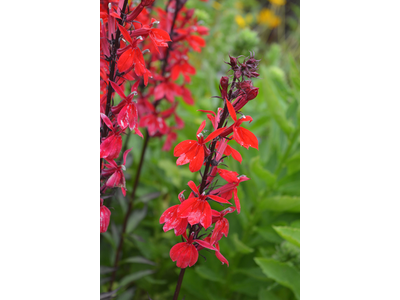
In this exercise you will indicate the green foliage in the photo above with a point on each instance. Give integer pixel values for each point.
(263, 245)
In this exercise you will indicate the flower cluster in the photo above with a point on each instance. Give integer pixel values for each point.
(193, 218)
(171, 76)
(122, 35)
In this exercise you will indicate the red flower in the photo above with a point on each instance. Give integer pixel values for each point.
(117, 178)
(221, 225)
(197, 209)
(104, 217)
(131, 54)
(241, 135)
(216, 248)
(126, 109)
(194, 152)
(230, 151)
(112, 145)
(185, 254)
(182, 66)
(234, 179)
(168, 90)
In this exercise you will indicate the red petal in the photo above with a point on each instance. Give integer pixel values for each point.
(111, 147)
(194, 188)
(188, 156)
(114, 180)
(245, 138)
(214, 134)
(118, 89)
(183, 147)
(202, 125)
(218, 199)
(237, 202)
(125, 33)
(205, 245)
(235, 154)
(107, 121)
(221, 258)
(126, 60)
(206, 217)
(197, 161)
(168, 214)
(229, 176)
(231, 110)
(186, 206)
(127, 116)
(125, 154)
(181, 228)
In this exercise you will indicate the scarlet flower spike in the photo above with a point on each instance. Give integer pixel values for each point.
(196, 210)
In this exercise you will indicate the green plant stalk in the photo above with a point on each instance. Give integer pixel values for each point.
(130, 206)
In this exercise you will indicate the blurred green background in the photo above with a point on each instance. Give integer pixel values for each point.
(263, 245)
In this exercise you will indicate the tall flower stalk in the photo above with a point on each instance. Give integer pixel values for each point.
(144, 37)
(200, 226)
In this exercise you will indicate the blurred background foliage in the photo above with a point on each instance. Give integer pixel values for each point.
(263, 245)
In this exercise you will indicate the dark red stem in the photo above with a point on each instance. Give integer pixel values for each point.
(179, 284)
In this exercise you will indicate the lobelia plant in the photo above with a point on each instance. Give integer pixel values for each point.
(120, 59)
(192, 219)
(127, 33)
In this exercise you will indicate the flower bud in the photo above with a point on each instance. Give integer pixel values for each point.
(233, 61)
(104, 217)
(252, 93)
(224, 82)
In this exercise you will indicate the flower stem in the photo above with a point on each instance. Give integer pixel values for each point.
(130, 206)
(179, 283)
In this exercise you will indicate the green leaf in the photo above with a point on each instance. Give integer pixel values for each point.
(269, 235)
(135, 276)
(240, 247)
(208, 274)
(264, 294)
(292, 235)
(138, 259)
(259, 171)
(135, 218)
(274, 107)
(282, 273)
(281, 204)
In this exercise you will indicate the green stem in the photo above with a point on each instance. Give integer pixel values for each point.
(130, 206)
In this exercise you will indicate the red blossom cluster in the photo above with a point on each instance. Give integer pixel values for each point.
(193, 217)
(143, 49)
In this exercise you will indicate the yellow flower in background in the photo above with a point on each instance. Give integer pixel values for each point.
(278, 2)
(249, 18)
(216, 5)
(238, 5)
(268, 17)
(240, 21)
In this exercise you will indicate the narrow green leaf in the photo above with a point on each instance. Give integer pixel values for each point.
(274, 107)
(257, 169)
(208, 274)
(135, 218)
(240, 247)
(282, 273)
(281, 204)
(292, 235)
(264, 294)
(138, 259)
(135, 276)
